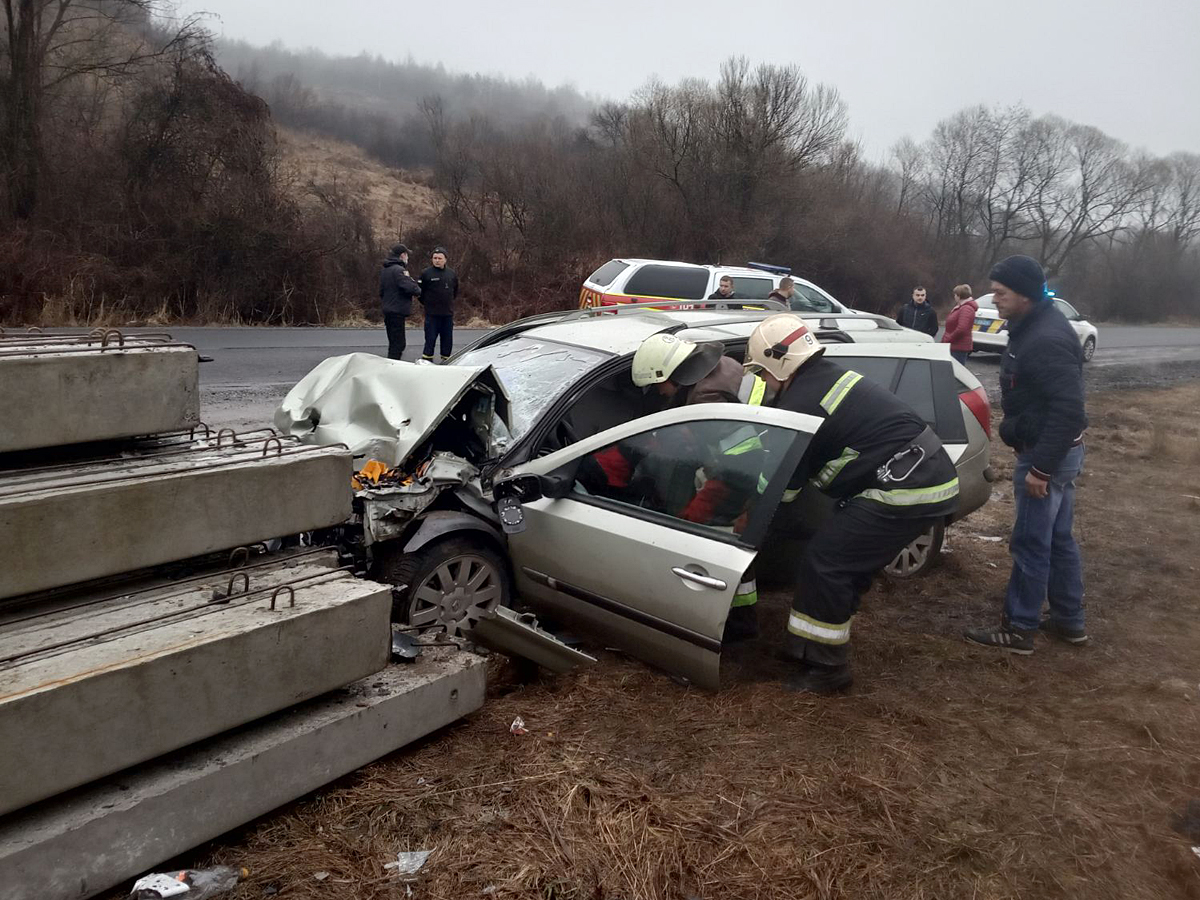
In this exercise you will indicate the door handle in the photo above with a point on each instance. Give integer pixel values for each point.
(687, 575)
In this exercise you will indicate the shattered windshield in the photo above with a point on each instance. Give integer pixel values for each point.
(533, 373)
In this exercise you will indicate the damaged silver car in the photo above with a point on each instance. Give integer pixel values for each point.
(481, 481)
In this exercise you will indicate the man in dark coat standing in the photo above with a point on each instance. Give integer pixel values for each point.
(1041, 392)
(918, 314)
(439, 287)
(396, 292)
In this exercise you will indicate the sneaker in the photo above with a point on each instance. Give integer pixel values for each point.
(813, 679)
(1003, 638)
(1074, 636)
(742, 624)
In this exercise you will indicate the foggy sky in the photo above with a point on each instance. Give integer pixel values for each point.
(1130, 68)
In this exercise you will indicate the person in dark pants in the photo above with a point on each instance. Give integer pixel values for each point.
(918, 314)
(439, 287)
(875, 455)
(1041, 391)
(396, 292)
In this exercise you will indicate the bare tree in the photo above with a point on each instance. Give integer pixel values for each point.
(46, 45)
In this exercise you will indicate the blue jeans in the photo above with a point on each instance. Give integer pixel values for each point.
(1046, 561)
(961, 355)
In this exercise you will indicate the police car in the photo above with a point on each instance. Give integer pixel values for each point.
(990, 332)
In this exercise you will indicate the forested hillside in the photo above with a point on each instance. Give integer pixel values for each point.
(146, 179)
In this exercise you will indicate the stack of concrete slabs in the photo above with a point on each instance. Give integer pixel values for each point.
(91, 839)
(71, 523)
(71, 389)
(91, 684)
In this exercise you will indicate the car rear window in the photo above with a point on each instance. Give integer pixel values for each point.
(749, 288)
(928, 386)
(916, 389)
(604, 275)
(679, 282)
(881, 369)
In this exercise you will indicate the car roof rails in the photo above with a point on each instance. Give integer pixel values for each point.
(768, 267)
(669, 306)
(833, 336)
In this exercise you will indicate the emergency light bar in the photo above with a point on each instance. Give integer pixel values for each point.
(767, 267)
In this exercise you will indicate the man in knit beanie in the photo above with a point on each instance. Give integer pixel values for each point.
(1041, 386)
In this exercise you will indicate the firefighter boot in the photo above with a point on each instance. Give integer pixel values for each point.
(811, 678)
(820, 668)
(742, 624)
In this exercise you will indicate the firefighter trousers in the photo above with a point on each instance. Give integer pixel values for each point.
(837, 568)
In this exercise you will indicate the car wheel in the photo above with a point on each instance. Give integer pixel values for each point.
(920, 556)
(1089, 349)
(450, 584)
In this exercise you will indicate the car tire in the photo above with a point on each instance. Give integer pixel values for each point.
(449, 584)
(920, 556)
(1089, 349)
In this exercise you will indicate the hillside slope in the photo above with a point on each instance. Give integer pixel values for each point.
(396, 201)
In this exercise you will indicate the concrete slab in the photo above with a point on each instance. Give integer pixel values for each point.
(94, 688)
(70, 392)
(70, 524)
(87, 842)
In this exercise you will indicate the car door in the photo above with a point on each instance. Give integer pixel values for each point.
(621, 552)
(1072, 315)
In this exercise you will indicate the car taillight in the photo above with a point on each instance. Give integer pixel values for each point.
(977, 402)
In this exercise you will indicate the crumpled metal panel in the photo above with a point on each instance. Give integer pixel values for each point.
(380, 408)
(389, 508)
(518, 634)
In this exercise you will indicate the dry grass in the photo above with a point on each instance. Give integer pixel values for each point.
(947, 772)
(396, 202)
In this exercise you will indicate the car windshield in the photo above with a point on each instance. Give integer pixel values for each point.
(534, 373)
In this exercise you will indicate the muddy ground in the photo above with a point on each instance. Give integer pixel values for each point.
(947, 772)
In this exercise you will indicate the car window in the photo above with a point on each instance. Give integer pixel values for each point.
(706, 473)
(604, 275)
(534, 373)
(808, 300)
(880, 369)
(1066, 309)
(986, 303)
(681, 282)
(916, 389)
(750, 288)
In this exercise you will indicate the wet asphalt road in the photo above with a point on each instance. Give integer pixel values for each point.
(252, 368)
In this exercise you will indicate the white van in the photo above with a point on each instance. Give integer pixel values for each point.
(646, 280)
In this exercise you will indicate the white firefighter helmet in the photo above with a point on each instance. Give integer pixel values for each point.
(664, 357)
(782, 344)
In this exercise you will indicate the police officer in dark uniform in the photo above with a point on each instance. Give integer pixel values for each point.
(891, 476)
(439, 288)
(396, 291)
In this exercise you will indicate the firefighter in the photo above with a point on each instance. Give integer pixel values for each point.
(873, 454)
(677, 372)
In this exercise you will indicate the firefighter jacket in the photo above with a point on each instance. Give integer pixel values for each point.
(871, 446)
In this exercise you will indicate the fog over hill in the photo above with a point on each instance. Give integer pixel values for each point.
(379, 104)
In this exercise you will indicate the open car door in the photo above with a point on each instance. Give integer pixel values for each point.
(639, 535)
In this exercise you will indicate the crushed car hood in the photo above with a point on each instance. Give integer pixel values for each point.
(383, 408)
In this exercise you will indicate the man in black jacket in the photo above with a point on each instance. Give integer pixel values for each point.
(918, 314)
(724, 290)
(396, 290)
(876, 457)
(1041, 386)
(439, 287)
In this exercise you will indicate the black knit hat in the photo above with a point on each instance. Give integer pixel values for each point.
(397, 249)
(1023, 275)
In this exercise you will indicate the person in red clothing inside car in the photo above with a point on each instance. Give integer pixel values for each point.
(960, 323)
